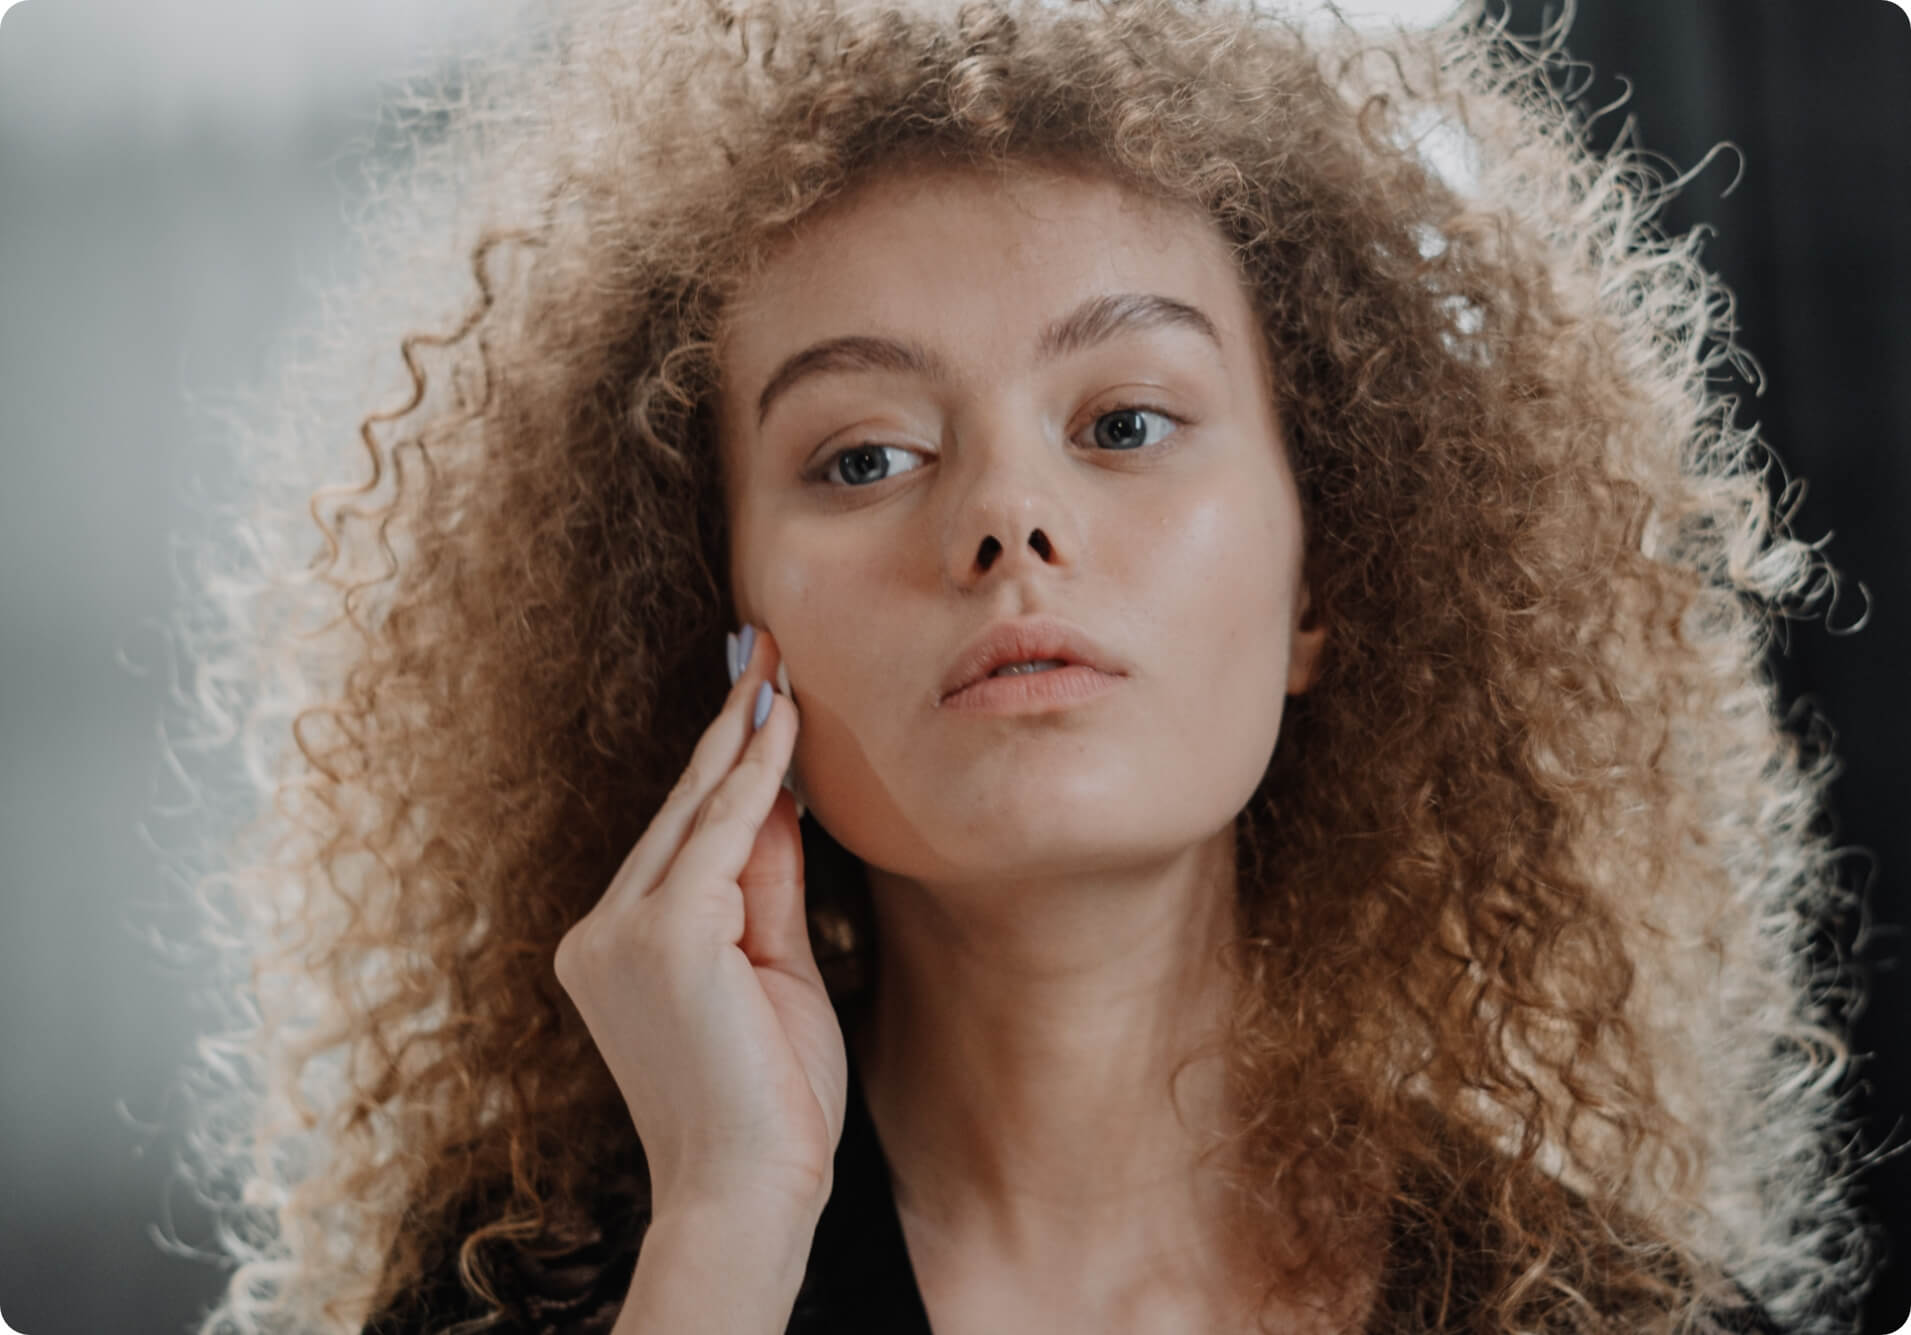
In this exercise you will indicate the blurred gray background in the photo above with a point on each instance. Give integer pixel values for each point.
(174, 175)
(174, 178)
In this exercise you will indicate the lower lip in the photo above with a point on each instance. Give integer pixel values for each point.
(1032, 692)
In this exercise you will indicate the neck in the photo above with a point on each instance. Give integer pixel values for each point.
(1043, 1065)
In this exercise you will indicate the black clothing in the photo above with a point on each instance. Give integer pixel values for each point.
(859, 1277)
(859, 1280)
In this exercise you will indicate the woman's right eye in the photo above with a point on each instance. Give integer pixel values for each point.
(860, 465)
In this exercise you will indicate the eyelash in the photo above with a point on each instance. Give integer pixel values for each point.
(821, 473)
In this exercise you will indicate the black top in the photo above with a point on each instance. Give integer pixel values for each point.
(859, 1278)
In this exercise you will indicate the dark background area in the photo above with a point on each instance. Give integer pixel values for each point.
(173, 171)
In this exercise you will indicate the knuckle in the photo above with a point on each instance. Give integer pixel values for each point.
(585, 942)
(711, 918)
(566, 965)
(697, 821)
(729, 806)
(723, 809)
(689, 782)
(600, 956)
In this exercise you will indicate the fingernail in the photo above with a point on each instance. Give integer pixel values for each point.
(730, 654)
(763, 694)
(783, 679)
(745, 643)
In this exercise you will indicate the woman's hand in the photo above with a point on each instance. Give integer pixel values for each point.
(695, 976)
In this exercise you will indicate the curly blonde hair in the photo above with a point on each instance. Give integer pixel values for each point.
(1527, 893)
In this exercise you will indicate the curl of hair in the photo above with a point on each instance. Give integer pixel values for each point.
(1527, 893)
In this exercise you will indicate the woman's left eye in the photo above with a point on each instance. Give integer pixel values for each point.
(1126, 426)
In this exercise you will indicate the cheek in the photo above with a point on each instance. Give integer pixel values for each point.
(833, 619)
(797, 599)
(820, 599)
(1219, 572)
(859, 672)
(784, 589)
(1220, 575)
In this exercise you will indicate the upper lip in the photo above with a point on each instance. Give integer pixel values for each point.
(1026, 640)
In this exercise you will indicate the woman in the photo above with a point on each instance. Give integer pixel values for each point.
(1293, 831)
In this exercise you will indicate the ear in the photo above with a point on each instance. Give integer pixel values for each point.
(1304, 646)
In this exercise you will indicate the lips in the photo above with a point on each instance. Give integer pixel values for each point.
(1027, 640)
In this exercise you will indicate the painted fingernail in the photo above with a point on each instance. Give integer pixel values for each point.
(745, 643)
(764, 692)
(730, 654)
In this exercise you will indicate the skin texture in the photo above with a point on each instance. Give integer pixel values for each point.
(1050, 889)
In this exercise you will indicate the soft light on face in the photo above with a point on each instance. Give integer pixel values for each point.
(1133, 483)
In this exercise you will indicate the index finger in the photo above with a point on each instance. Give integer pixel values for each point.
(715, 756)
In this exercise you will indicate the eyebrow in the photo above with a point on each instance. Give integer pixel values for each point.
(1094, 321)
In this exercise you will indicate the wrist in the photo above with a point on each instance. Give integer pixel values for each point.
(727, 1264)
(796, 1198)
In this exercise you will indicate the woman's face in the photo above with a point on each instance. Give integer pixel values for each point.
(1060, 409)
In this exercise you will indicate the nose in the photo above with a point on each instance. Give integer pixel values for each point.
(991, 547)
(1008, 522)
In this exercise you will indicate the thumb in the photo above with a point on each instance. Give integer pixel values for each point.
(775, 926)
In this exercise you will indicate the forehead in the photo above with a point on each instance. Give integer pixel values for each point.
(947, 255)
